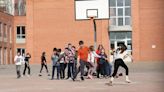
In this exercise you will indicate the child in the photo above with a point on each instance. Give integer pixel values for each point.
(18, 62)
(62, 64)
(55, 63)
(102, 63)
(43, 64)
(27, 57)
(91, 60)
(119, 61)
(71, 60)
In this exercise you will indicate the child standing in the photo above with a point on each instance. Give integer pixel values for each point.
(18, 62)
(27, 65)
(55, 63)
(62, 63)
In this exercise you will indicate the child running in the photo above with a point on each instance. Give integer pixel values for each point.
(91, 59)
(119, 61)
(43, 63)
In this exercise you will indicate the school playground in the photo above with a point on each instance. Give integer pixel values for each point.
(145, 76)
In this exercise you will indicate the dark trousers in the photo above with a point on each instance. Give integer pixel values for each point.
(53, 71)
(70, 70)
(117, 64)
(43, 65)
(62, 70)
(81, 68)
(27, 66)
(101, 69)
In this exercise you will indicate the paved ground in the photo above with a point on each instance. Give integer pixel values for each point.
(146, 77)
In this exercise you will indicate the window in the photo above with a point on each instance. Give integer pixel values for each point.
(120, 21)
(128, 11)
(20, 8)
(21, 50)
(120, 12)
(127, 2)
(7, 6)
(127, 21)
(112, 2)
(119, 2)
(113, 11)
(21, 32)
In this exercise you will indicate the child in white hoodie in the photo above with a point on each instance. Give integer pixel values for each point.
(91, 59)
(18, 62)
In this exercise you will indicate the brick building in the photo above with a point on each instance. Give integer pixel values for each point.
(40, 25)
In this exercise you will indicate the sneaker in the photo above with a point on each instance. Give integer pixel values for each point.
(73, 79)
(67, 78)
(128, 81)
(40, 75)
(48, 75)
(120, 74)
(82, 78)
(52, 78)
(28, 75)
(18, 77)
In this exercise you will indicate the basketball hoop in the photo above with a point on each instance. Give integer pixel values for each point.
(91, 17)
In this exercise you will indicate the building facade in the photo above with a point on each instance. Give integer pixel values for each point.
(6, 38)
(41, 25)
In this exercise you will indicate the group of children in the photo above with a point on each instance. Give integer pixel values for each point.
(97, 60)
(85, 60)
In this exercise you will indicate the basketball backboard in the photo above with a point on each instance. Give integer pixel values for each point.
(84, 9)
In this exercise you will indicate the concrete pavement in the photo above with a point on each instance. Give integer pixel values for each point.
(145, 76)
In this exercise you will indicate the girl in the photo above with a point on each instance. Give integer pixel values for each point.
(119, 61)
(98, 69)
(43, 64)
(91, 59)
(27, 57)
(103, 63)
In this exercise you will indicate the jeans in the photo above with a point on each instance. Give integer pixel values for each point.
(70, 70)
(53, 71)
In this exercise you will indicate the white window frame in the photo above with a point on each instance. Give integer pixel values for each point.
(124, 26)
(19, 37)
(21, 50)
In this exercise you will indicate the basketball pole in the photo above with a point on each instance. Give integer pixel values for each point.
(95, 34)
